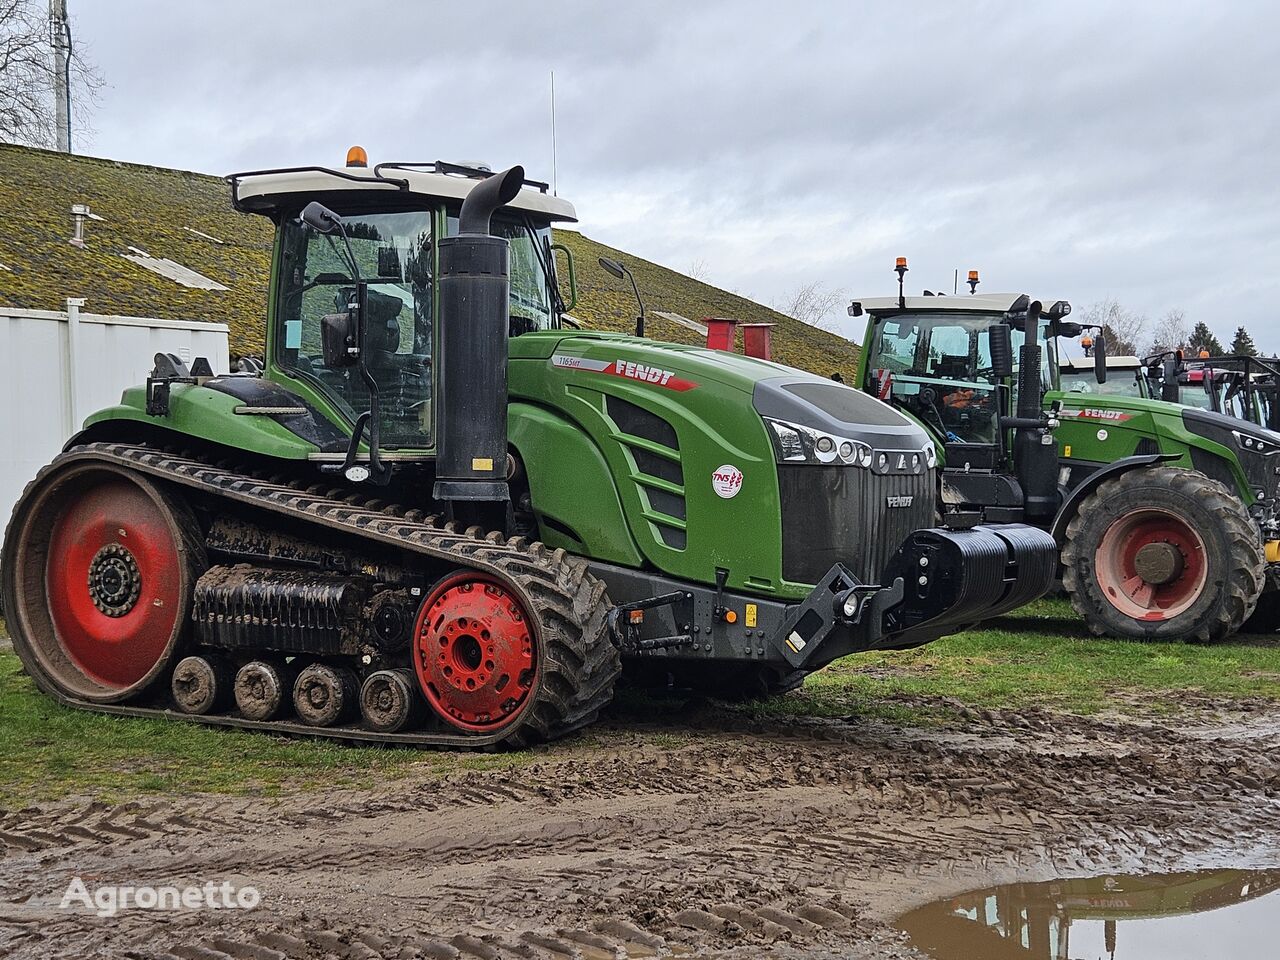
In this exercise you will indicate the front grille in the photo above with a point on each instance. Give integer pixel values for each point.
(840, 514)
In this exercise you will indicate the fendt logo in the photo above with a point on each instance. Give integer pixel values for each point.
(1093, 413)
(897, 503)
(628, 369)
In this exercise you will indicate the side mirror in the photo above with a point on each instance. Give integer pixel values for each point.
(1100, 358)
(1001, 351)
(1065, 328)
(320, 218)
(1169, 391)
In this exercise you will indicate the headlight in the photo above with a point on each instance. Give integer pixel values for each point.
(1253, 444)
(796, 443)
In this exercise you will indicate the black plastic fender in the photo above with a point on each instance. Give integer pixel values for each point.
(1071, 503)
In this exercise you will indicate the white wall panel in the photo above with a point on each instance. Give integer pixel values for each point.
(37, 388)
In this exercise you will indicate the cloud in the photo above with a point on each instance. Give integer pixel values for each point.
(1077, 151)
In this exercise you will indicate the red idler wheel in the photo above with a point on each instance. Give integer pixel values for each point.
(475, 653)
(1151, 564)
(100, 566)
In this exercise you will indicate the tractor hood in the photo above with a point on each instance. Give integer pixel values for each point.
(679, 372)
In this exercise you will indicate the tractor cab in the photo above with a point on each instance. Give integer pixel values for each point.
(932, 357)
(379, 278)
(1126, 376)
(1242, 387)
(972, 371)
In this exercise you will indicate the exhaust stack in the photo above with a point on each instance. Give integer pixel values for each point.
(471, 458)
(1035, 453)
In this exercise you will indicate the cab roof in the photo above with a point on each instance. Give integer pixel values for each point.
(1083, 364)
(977, 303)
(264, 191)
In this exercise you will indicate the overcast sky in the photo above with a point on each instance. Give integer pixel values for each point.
(1072, 150)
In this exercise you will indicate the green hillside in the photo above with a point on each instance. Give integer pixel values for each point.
(606, 302)
(188, 218)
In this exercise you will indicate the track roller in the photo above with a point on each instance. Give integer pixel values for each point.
(324, 696)
(200, 685)
(389, 701)
(263, 689)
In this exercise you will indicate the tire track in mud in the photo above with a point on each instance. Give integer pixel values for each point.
(35, 830)
(744, 838)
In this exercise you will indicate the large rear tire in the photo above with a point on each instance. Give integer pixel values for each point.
(1163, 553)
(98, 569)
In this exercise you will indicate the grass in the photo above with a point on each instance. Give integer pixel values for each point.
(48, 751)
(1041, 657)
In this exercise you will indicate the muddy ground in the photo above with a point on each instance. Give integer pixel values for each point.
(705, 835)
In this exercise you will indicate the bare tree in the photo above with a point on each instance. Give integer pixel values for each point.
(27, 73)
(1123, 329)
(1172, 332)
(812, 303)
(699, 271)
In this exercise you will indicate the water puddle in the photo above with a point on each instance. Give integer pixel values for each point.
(1205, 915)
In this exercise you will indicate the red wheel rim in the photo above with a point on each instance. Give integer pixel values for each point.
(474, 653)
(113, 579)
(1151, 564)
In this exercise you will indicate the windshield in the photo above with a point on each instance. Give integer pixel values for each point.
(1120, 382)
(938, 366)
(394, 252)
(534, 298)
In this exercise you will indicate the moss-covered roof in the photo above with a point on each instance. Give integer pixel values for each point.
(604, 301)
(172, 214)
(150, 208)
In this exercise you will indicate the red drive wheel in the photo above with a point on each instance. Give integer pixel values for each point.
(100, 565)
(1151, 564)
(475, 653)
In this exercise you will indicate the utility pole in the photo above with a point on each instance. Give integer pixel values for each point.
(60, 45)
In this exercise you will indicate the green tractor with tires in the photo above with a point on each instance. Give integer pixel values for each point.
(1166, 516)
(440, 513)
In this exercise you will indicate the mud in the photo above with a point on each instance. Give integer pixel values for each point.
(705, 834)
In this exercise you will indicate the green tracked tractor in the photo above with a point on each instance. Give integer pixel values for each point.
(1166, 516)
(440, 513)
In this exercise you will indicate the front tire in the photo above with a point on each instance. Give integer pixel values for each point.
(1163, 553)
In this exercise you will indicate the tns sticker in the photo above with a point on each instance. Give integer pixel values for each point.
(726, 481)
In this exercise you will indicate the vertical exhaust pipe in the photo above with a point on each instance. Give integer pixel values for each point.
(474, 289)
(1035, 459)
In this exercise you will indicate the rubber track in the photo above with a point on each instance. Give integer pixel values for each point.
(580, 663)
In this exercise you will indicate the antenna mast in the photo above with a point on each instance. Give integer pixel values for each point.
(553, 134)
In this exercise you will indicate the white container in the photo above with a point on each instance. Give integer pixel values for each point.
(56, 368)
